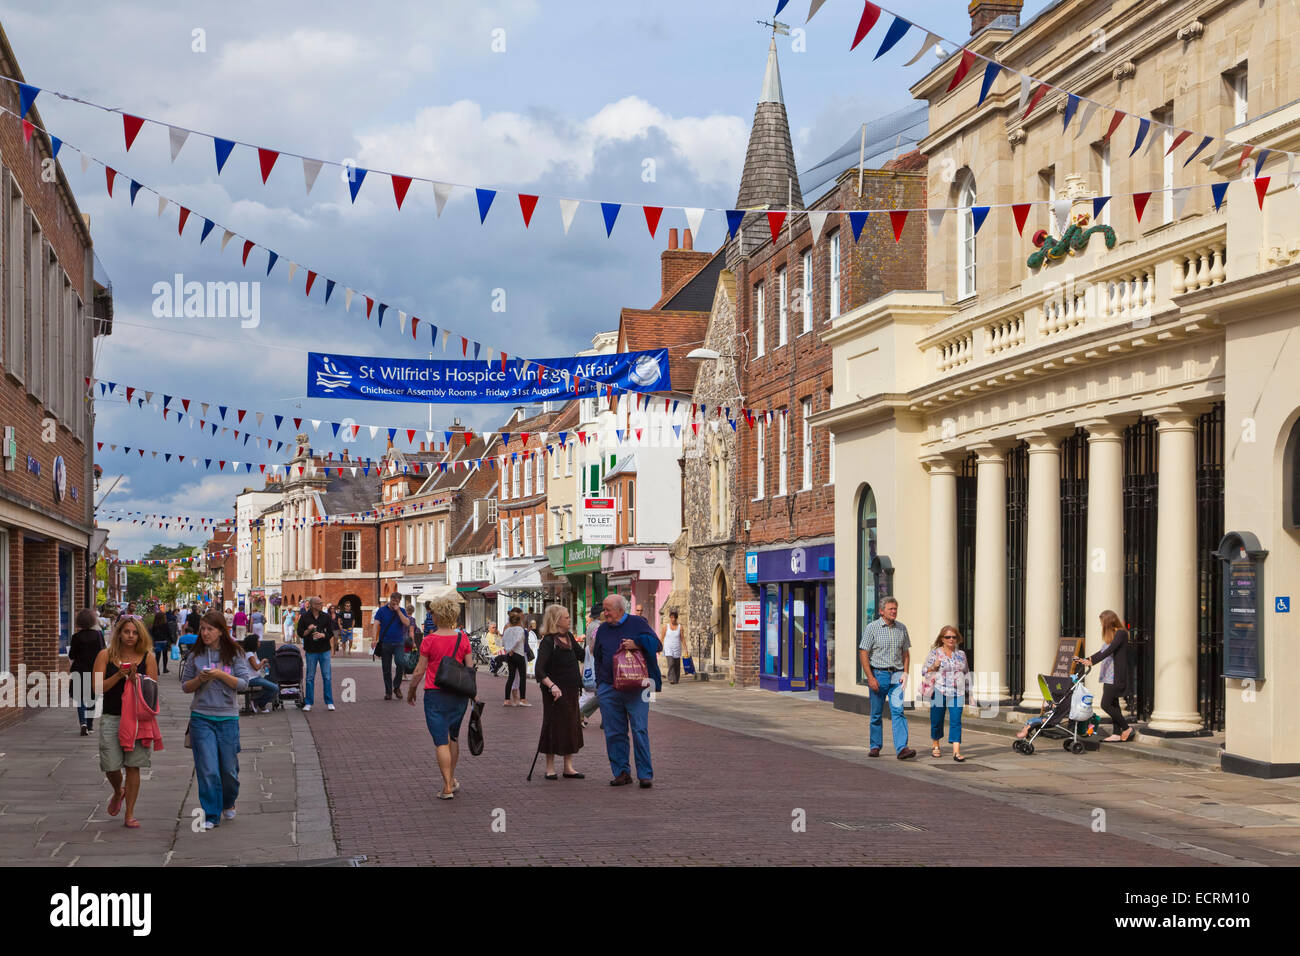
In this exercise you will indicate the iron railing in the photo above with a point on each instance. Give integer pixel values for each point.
(1074, 534)
(1141, 487)
(1017, 542)
(966, 509)
(1209, 531)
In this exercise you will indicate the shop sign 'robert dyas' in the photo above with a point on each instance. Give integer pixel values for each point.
(475, 380)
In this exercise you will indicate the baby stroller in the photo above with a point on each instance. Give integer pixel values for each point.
(1055, 723)
(287, 670)
(481, 652)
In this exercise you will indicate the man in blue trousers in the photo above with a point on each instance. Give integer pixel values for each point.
(886, 654)
(619, 708)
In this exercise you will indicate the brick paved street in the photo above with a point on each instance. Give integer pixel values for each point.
(720, 797)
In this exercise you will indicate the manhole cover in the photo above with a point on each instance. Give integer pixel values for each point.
(910, 827)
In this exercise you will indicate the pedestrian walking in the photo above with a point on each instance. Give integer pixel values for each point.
(671, 637)
(83, 648)
(315, 631)
(513, 640)
(590, 701)
(559, 676)
(257, 623)
(388, 634)
(945, 677)
(1113, 658)
(885, 655)
(621, 709)
(120, 663)
(161, 635)
(443, 711)
(215, 672)
(241, 625)
(288, 625)
(347, 621)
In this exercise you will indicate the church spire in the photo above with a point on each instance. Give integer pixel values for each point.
(769, 179)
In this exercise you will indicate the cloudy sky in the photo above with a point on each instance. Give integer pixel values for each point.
(583, 94)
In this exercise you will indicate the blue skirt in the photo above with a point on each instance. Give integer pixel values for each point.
(443, 713)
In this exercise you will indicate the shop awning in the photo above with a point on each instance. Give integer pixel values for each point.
(531, 577)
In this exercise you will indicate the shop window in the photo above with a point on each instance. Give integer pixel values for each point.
(771, 629)
(1291, 479)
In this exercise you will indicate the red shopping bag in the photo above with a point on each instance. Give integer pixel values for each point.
(630, 671)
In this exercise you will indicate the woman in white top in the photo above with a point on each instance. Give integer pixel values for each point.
(512, 640)
(670, 635)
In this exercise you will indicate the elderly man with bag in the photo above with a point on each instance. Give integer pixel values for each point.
(625, 652)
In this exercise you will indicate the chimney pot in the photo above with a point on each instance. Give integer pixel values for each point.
(686, 240)
(672, 238)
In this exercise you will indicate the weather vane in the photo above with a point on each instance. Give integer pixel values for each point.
(778, 28)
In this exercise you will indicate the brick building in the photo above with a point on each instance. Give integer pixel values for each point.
(774, 473)
(52, 308)
(408, 530)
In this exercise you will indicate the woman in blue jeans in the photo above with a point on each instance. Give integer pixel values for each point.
(215, 672)
(443, 711)
(945, 665)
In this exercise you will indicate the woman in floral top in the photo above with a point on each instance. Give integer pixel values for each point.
(945, 674)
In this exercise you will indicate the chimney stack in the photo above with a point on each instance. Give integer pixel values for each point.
(672, 238)
(676, 263)
(984, 12)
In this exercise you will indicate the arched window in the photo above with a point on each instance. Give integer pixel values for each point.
(1291, 479)
(866, 554)
(965, 235)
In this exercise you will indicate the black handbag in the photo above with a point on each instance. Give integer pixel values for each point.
(453, 677)
(475, 732)
(528, 646)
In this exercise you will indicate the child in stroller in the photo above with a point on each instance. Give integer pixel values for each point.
(1058, 692)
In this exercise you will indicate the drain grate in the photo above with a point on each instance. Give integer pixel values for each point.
(875, 825)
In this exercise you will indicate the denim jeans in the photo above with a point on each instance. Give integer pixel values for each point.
(618, 708)
(269, 688)
(937, 708)
(216, 764)
(390, 655)
(891, 685)
(322, 659)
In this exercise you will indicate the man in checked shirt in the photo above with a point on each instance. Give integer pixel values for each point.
(885, 653)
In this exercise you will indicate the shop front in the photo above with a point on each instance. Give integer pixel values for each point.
(529, 589)
(580, 564)
(796, 592)
(641, 574)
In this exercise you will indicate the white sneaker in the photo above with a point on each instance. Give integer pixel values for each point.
(228, 814)
(329, 706)
(306, 708)
(209, 825)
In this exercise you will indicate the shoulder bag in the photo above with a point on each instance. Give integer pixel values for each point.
(630, 671)
(528, 646)
(453, 677)
(475, 732)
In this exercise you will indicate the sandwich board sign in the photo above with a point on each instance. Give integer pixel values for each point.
(598, 521)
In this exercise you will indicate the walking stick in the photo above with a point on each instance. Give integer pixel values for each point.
(533, 767)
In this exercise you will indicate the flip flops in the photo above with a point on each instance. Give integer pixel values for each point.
(132, 824)
(115, 805)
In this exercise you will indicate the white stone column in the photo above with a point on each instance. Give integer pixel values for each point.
(1174, 705)
(991, 571)
(943, 549)
(1104, 581)
(1042, 563)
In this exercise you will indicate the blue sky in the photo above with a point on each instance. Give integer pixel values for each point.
(583, 94)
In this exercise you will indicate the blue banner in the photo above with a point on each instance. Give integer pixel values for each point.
(375, 379)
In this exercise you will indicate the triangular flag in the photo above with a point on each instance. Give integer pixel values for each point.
(1035, 99)
(207, 228)
(857, 220)
(609, 210)
(1143, 126)
(967, 58)
(223, 148)
(485, 197)
(567, 208)
(248, 247)
(1261, 187)
(329, 289)
(936, 219)
(266, 161)
(55, 143)
(1026, 82)
(1180, 200)
(131, 128)
(1114, 125)
(652, 214)
(990, 74)
(226, 236)
(870, 14)
(774, 222)
(310, 170)
(816, 221)
(109, 174)
(26, 96)
(1259, 160)
(1178, 141)
(1196, 152)
(1098, 204)
(899, 220)
(177, 137)
(311, 277)
(441, 193)
(1071, 104)
(1088, 111)
(1218, 189)
(271, 259)
(527, 204)
(816, 5)
(1021, 213)
(400, 185)
(135, 188)
(356, 176)
(734, 217)
(1061, 213)
(694, 216)
(180, 222)
(897, 30)
(978, 215)
(1140, 203)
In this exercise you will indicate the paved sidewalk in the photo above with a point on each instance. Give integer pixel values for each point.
(1201, 811)
(720, 797)
(53, 797)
